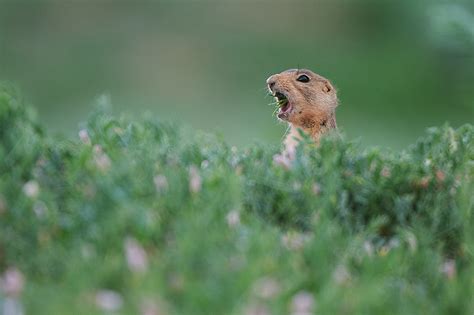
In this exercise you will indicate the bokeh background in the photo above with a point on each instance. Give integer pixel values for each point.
(399, 66)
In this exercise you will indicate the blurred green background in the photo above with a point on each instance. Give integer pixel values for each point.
(399, 66)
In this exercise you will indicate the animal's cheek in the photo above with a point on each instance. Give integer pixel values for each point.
(302, 104)
(298, 107)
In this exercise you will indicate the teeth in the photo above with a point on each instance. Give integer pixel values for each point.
(280, 99)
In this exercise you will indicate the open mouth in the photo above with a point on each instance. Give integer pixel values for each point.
(283, 104)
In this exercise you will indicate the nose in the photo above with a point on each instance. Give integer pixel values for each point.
(271, 82)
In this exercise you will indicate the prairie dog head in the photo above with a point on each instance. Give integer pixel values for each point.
(304, 97)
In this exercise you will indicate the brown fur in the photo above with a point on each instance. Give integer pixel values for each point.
(313, 104)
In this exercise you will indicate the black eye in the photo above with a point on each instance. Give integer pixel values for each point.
(303, 78)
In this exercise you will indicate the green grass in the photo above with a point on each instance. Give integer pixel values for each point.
(344, 230)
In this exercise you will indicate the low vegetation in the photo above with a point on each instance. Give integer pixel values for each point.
(144, 217)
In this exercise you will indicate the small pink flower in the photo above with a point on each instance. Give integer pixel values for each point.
(161, 183)
(257, 309)
(108, 300)
(195, 182)
(31, 189)
(98, 149)
(233, 218)
(12, 282)
(84, 136)
(424, 182)
(385, 172)
(302, 303)
(266, 288)
(150, 307)
(440, 176)
(282, 160)
(448, 268)
(316, 189)
(102, 160)
(136, 256)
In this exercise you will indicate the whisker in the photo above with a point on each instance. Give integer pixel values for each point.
(286, 133)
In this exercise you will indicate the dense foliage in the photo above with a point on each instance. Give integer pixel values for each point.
(150, 218)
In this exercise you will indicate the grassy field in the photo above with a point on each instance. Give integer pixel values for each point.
(144, 217)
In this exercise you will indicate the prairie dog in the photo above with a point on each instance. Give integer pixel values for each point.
(306, 101)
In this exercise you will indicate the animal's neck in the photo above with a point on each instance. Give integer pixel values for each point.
(315, 127)
(320, 125)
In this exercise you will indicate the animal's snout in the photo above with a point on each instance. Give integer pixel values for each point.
(271, 82)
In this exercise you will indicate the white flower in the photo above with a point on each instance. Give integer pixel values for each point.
(195, 181)
(233, 218)
(31, 189)
(136, 256)
(108, 300)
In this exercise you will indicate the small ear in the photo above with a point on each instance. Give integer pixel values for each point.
(327, 87)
